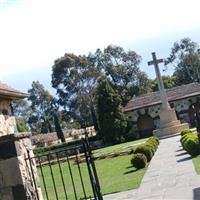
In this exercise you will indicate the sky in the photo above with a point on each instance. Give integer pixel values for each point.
(33, 33)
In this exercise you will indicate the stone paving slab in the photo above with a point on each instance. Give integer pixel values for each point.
(170, 176)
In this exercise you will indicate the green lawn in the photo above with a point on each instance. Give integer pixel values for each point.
(118, 147)
(196, 162)
(115, 175)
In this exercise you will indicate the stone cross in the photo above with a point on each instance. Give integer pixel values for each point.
(163, 95)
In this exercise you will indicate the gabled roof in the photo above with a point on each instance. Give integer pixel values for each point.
(10, 93)
(175, 93)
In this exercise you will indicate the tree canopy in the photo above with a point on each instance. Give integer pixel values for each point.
(185, 57)
(42, 104)
(112, 120)
(75, 80)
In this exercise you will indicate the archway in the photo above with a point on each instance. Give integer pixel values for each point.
(145, 125)
(195, 107)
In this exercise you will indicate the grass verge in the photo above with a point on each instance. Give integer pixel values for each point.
(196, 162)
(115, 175)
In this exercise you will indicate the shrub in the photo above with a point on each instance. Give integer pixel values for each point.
(139, 161)
(131, 151)
(39, 150)
(155, 139)
(146, 150)
(191, 145)
(152, 145)
(185, 138)
(185, 132)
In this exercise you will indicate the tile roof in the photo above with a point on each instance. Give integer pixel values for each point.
(10, 92)
(175, 93)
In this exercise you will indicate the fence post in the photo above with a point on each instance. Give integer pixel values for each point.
(16, 172)
(92, 168)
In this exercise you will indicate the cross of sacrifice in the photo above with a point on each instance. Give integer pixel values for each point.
(163, 94)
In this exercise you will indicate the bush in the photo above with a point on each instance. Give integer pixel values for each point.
(139, 161)
(146, 150)
(192, 146)
(152, 145)
(185, 137)
(185, 132)
(39, 150)
(131, 151)
(190, 142)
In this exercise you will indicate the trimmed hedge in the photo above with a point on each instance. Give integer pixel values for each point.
(185, 132)
(139, 161)
(148, 148)
(40, 150)
(190, 142)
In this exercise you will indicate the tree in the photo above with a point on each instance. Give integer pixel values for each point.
(122, 69)
(75, 79)
(185, 57)
(42, 103)
(168, 81)
(112, 120)
(21, 125)
(58, 128)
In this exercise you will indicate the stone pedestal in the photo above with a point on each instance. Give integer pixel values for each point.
(169, 125)
(16, 181)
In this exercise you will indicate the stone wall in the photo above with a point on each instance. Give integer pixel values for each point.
(16, 181)
(7, 125)
(180, 106)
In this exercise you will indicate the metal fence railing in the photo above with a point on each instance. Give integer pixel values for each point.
(69, 174)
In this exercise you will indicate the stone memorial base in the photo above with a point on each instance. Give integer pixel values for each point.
(169, 125)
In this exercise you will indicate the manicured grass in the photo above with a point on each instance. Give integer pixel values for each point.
(115, 175)
(196, 161)
(118, 147)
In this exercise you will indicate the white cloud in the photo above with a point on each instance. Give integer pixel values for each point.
(33, 32)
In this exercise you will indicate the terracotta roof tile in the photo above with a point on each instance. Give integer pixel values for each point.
(173, 94)
(6, 90)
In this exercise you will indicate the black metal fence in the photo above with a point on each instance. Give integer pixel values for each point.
(68, 174)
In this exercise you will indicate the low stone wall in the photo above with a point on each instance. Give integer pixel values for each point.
(16, 181)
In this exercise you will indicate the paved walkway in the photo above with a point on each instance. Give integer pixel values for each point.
(170, 176)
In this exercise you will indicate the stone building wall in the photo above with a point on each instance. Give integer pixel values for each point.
(181, 107)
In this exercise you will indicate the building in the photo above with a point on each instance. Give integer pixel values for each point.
(7, 121)
(143, 111)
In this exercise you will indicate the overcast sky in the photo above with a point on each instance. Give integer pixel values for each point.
(33, 33)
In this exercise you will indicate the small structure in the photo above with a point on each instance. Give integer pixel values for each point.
(7, 121)
(144, 111)
(169, 124)
(16, 174)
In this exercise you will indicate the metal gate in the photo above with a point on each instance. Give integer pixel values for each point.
(68, 174)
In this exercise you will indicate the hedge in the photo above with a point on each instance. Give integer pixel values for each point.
(190, 142)
(40, 150)
(139, 161)
(148, 148)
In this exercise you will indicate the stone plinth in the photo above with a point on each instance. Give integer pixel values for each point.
(16, 182)
(169, 125)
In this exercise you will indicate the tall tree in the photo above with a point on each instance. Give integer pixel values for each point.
(58, 128)
(74, 78)
(112, 120)
(122, 69)
(168, 81)
(185, 57)
(42, 105)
